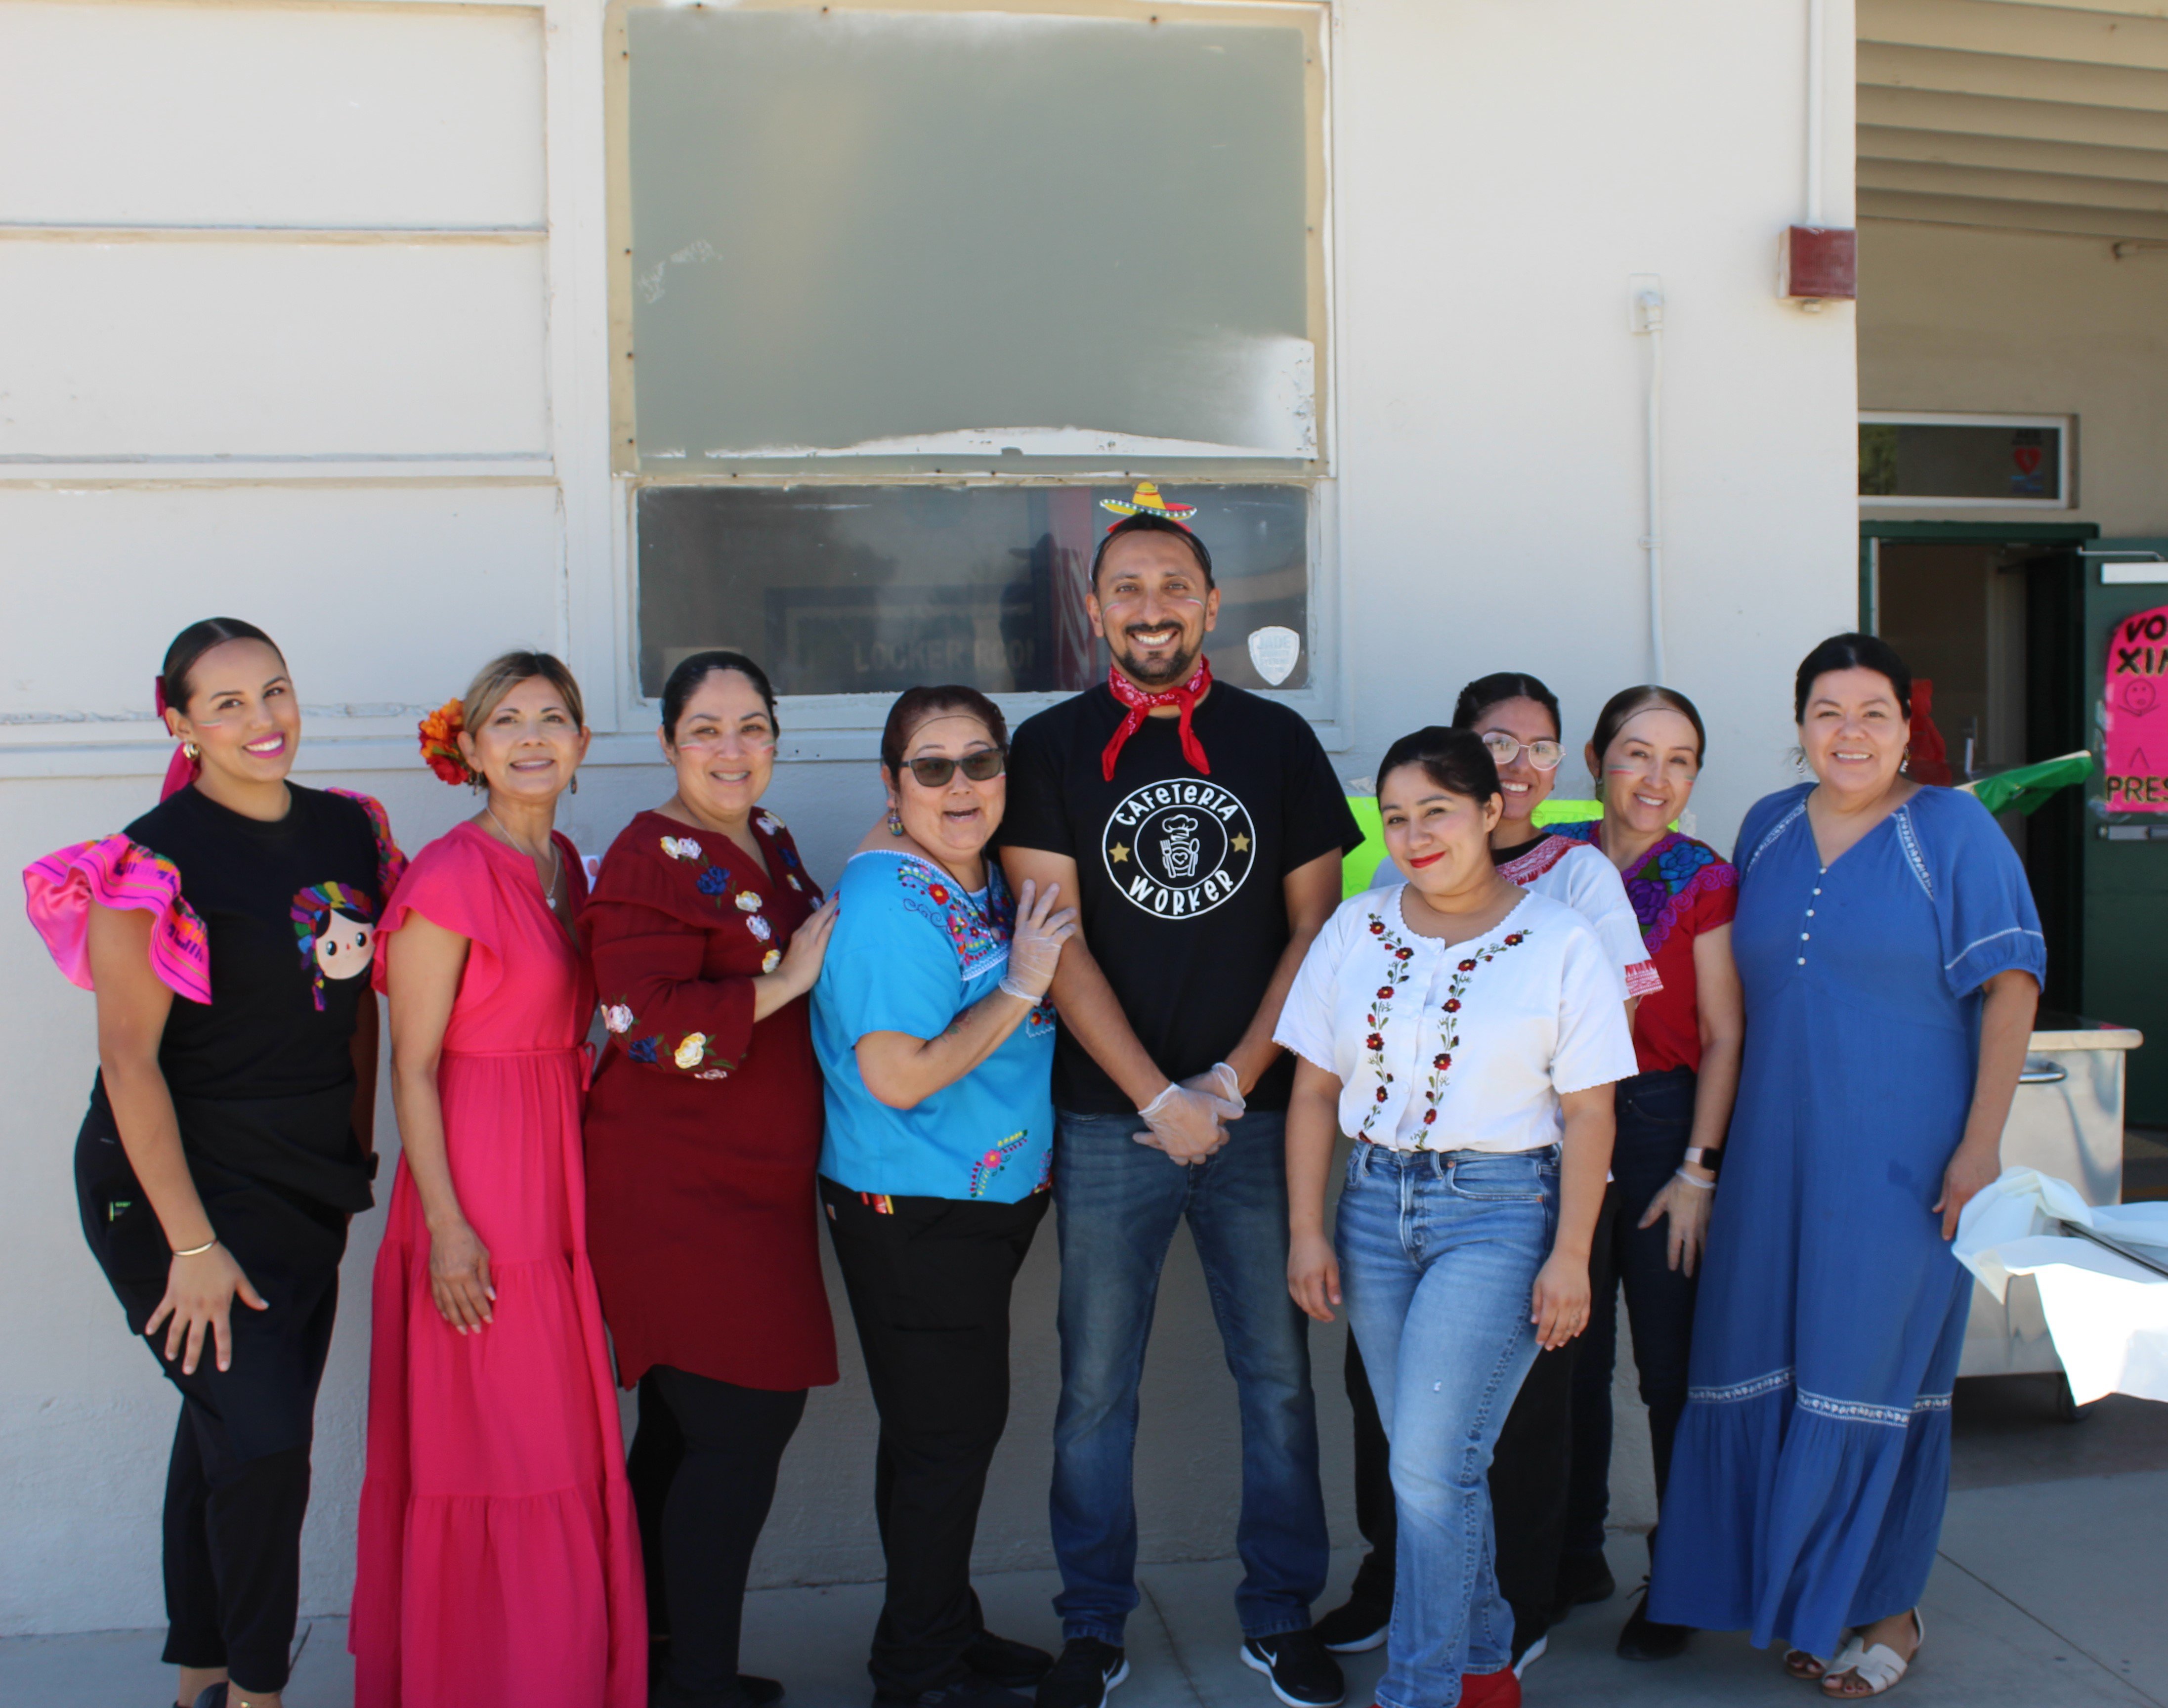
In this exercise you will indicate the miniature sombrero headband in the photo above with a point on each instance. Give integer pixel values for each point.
(1146, 501)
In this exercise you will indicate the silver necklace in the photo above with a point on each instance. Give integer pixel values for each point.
(557, 859)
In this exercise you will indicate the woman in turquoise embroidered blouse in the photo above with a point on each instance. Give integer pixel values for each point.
(936, 1040)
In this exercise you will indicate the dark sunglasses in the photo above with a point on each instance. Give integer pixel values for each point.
(981, 767)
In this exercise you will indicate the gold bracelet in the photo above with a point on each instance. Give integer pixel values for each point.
(197, 1251)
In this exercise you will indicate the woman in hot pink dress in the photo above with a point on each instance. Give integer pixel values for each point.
(499, 1555)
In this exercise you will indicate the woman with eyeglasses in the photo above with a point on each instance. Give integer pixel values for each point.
(705, 933)
(933, 1029)
(1517, 718)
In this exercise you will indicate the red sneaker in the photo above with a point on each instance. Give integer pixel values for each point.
(1498, 1689)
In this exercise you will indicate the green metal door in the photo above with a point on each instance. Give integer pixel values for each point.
(2126, 853)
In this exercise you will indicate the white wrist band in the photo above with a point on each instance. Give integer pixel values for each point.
(1013, 990)
(1705, 1185)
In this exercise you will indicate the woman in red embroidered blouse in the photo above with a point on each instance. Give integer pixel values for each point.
(703, 1131)
(1687, 1038)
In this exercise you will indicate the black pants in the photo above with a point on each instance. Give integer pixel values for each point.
(929, 1285)
(703, 1468)
(238, 1484)
(1529, 1475)
(1656, 1117)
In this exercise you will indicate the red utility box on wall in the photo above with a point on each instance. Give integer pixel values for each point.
(1818, 263)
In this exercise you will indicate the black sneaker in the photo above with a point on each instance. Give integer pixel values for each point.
(1645, 1639)
(1355, 1628)
(1295, 1664)
(1005, 1662)
(1087, 1671)
(1582, 1579)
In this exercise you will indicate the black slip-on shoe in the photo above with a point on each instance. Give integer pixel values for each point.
(1295, 1664)
(1086, 1672)
(212, 1695)
(1583, 1579)
(1003, 1660)
(1354, 1628)
(761, 1693)
(1645, 1639)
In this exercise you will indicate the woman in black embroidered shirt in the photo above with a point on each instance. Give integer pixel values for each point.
(227, 1141)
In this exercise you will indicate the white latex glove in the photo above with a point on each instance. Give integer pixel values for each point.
(1186, 1124)
(1220, 1082)
(1035, 942)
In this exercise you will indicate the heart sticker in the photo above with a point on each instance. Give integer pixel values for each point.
(2026, 457)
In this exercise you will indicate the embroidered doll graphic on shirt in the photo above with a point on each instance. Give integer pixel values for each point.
(336, 927)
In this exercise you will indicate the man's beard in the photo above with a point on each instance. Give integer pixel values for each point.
(1179, 668)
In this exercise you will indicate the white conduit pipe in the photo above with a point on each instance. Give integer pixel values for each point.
(1815, 102)
(1649, 321)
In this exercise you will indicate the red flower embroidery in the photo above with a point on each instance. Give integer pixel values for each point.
(1403, 954)
(938, 893)
(1381, 1094)
(1452, 1005)
(1374, 1042)
(1377, 928)
(1441, 1062)
(1513, 940)
(1467, 966)
(1429, 1116)
(1384, 993)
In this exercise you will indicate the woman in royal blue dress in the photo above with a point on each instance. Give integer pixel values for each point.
(1891, 958)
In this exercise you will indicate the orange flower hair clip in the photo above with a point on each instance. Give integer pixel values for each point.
(440, 743)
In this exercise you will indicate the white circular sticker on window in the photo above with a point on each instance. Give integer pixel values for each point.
(1274, 651)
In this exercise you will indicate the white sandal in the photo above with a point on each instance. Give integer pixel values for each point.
(1878, 1668)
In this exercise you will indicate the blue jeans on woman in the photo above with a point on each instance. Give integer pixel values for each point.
(1116, 1204)
(1438, 1254)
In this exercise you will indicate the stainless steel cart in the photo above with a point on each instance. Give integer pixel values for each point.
(2066, 1120)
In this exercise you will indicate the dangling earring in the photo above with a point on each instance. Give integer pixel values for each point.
(193, 751)
(475, 781)
(576, 782)
(895, 823)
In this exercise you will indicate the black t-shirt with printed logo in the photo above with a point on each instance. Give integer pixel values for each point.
(1182, 903)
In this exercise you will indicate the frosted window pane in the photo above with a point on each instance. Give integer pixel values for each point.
(871, 589)
(947, 236)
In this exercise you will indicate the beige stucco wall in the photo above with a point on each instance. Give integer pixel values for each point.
(1499, 173)
(1956, 319)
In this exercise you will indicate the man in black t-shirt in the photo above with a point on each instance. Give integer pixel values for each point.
(1200, 829)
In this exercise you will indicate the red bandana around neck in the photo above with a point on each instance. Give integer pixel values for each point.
(1139, 703)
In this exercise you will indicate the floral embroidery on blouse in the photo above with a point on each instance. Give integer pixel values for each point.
(748, 901)
(759, 927)
(771, 960)
(618, 1017)
(769, 822)
(984, 1170)
(684, 848)
(643, 1048)
(1449, 1025)
(692, 1051)
(981, 939)
(1672, 877)
(1380, 1013)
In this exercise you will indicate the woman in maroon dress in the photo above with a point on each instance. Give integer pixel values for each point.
(703, 1131)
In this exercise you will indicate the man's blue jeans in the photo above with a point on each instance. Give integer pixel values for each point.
(1116, 1204)
(1438, 1254)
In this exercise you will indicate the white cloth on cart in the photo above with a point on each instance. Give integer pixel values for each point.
(2108, 1315)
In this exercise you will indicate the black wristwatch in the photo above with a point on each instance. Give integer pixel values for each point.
(1708, 1156)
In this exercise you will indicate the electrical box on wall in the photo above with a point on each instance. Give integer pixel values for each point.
(1817, 264)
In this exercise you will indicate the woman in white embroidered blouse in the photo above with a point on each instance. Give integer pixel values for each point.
(1517, 718)
(1467, 1034)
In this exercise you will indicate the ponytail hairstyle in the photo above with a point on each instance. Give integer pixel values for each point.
(1630, 702)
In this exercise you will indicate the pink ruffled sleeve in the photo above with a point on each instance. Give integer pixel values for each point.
(116, 873)
(447, 884)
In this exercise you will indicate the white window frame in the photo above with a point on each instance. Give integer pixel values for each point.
(830, 726)
(2065, 427)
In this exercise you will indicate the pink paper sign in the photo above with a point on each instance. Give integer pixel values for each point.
(2137, 724)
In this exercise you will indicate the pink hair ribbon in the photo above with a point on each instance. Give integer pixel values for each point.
(184, 770)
